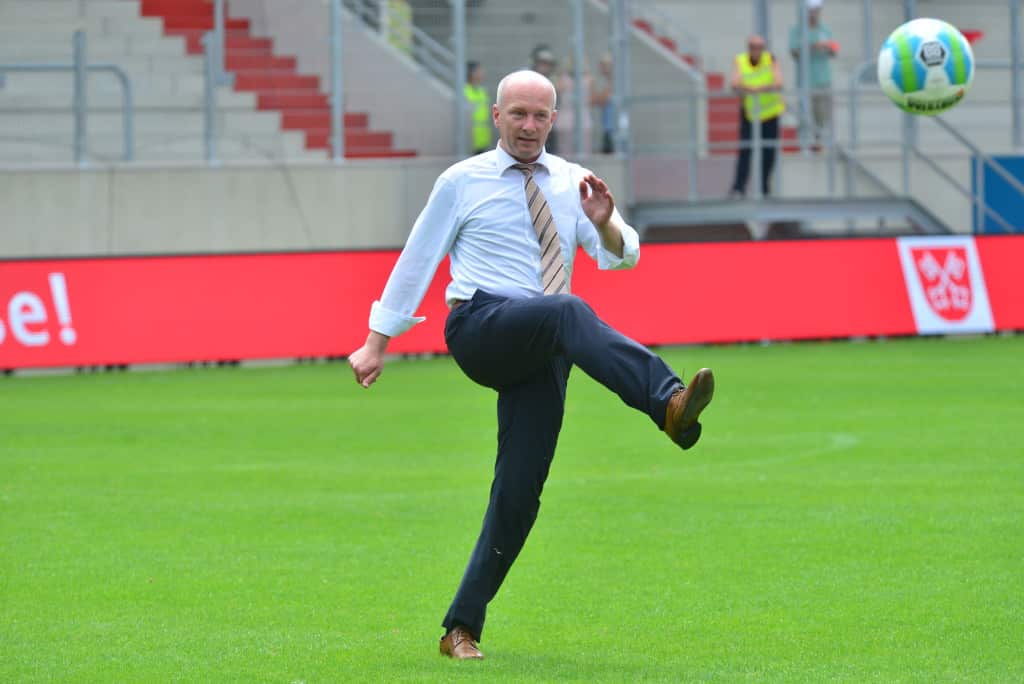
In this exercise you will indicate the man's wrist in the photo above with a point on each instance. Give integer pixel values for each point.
(377, 341)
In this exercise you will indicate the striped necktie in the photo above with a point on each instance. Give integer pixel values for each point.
(553, 276)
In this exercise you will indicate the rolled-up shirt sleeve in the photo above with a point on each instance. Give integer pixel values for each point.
(590, 239)
(431, 237)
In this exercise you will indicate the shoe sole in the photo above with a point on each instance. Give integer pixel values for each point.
(702, 388)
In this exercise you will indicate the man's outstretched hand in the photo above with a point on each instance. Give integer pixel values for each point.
(596, 198)
(599, 206)
(367, 362)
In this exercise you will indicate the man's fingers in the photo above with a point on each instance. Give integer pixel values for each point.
(370, 378)
(598, 185)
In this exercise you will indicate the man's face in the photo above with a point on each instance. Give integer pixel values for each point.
(524, 119)
(544, 66)
(755, 48)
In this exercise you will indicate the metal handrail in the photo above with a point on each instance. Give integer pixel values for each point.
(909, 144)
(983, 160)
(837, 154)
(79, 67)
(658, 19)
(975, 200)
(435, 57)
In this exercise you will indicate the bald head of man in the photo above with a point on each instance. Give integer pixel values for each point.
(524, 114)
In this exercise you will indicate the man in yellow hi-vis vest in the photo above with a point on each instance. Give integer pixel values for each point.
(479, 109)
(757, 77)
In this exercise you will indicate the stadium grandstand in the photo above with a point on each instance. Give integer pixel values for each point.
(259, 99)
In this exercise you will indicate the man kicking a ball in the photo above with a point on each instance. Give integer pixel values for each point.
(511, 219)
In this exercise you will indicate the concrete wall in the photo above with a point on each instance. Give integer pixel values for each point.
(164, 210)
(399, 95)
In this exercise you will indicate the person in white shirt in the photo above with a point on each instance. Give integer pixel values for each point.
(511, 220)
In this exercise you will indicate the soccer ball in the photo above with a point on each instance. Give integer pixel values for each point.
(926, 66)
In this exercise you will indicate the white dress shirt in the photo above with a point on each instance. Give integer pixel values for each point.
(477, 213)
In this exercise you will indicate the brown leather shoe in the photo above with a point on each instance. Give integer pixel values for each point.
(460, 644)
(685, 406)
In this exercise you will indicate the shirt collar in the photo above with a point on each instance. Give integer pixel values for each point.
(505, 161)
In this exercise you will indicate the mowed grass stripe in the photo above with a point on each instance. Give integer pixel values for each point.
(853, 512)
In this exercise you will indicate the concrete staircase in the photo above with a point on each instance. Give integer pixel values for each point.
(272, 113)
(274, 78)
(36, 121)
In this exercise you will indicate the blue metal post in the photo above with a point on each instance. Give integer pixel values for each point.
(1015, 66)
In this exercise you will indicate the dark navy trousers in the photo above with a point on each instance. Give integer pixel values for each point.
(524, 349)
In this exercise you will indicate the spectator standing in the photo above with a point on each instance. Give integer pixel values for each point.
(566, 123)
(603, 99)
(821, 53)
(756, 76)
(542, 60)
(480, 108)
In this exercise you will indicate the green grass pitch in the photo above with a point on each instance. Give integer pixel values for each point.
(854, 512)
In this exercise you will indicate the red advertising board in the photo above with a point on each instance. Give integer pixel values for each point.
(78, 312)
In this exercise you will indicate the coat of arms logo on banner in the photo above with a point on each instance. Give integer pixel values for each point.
(946, 280)
(945, 285)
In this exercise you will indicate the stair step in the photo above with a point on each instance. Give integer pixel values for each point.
(271, 82)
(317, 119)
(169, 7)
(320, 118)
(298, 100)
(241, 41)
(715, 80)
(241, 62)
(201, 22)
(233, 40)
(667, 43)
(355, 140)
(274, 80)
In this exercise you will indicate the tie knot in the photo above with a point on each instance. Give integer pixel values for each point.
(527, 169)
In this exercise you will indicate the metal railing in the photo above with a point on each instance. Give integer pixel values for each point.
(686, 42)
(436, 58)
(80, 67)
(697, 101)
(910, 149)
(981, 160)
(663, 26)
(837, 155)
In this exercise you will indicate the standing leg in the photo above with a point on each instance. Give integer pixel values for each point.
(529, 420)
(770, 135)
(822, 107)
(739, 184)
